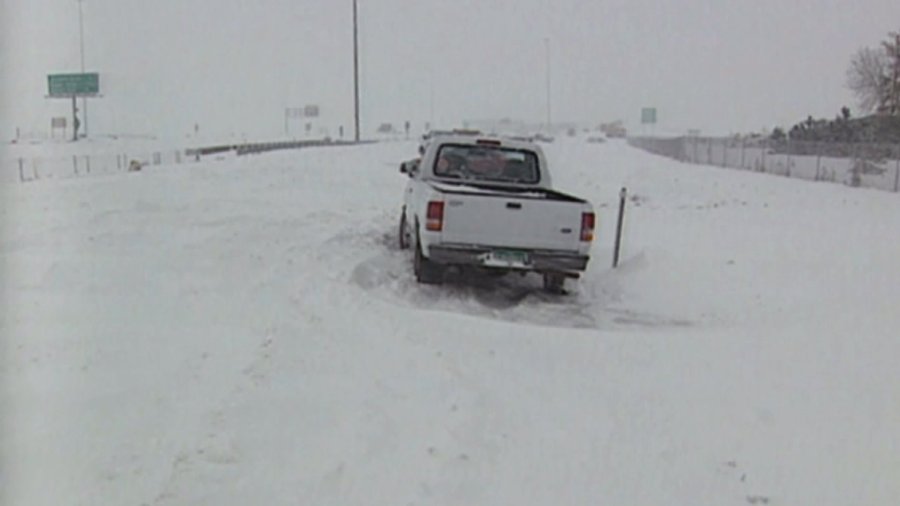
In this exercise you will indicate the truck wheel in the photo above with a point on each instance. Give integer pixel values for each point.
(403, 236)
(554, 282)
(426, 271)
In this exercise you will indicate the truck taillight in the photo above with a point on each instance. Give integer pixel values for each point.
(587, 227)
(434, 219)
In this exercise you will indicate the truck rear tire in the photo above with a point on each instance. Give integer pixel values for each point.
(403, 236)
(554, 282)
(427, 272)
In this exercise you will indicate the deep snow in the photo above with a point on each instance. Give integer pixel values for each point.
(245, 331)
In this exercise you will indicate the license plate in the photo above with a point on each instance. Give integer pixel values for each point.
(507, 258)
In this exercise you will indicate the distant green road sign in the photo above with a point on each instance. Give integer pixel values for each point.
(648, 115)
(70, 85)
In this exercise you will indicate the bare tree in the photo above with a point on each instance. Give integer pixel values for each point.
(874, 76)
(869, 79)
(891, 48)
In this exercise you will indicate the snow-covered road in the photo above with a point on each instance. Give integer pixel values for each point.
(245, 331)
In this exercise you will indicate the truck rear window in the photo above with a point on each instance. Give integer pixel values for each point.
(487, 163)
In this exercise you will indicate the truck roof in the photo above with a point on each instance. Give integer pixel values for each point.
(478, 138)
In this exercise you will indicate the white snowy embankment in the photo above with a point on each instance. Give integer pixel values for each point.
(246, 332)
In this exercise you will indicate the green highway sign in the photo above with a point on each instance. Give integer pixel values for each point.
(70, 85)
(648, 115)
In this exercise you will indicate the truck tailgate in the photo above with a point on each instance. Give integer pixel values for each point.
(511, 222)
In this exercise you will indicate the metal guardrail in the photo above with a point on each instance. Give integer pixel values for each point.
(261, 147)
(33, 168)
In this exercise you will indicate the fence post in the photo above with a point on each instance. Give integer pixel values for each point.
(87, 163)
(787, 170)
(743, 149)
(856, 168)
(818, 160)
(75, 163)
(709, 152)
(725, 147)
(21, 172)
(897, 175)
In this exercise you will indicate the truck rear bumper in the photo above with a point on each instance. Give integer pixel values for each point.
(537, 260)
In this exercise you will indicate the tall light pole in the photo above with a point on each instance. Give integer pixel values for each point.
(81, 39)
(355, 75)
(431, 98)
(547, 48)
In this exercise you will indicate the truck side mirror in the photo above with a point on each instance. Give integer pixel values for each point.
(409, 167)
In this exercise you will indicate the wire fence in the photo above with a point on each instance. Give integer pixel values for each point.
(37, 167)
(864, 165)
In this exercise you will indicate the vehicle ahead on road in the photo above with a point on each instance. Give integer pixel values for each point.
(487, 203)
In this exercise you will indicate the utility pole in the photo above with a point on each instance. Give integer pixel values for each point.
(431, 97)
(355, 74)
(81, 39)
(547, 48)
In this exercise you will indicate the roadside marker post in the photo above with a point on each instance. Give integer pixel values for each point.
(622, 195)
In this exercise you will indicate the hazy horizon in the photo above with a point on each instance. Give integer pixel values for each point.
(232, 67)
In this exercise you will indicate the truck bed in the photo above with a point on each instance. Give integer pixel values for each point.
(510, 217)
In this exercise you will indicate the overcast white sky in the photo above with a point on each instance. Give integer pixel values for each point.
(232, 66)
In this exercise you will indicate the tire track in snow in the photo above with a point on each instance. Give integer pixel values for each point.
(386, 272)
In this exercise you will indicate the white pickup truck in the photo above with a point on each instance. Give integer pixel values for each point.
(487, 203)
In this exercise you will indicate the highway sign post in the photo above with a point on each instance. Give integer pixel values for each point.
(307, 111)
(57, 123)
(648, 117)
(67, 85)
(73, 86)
